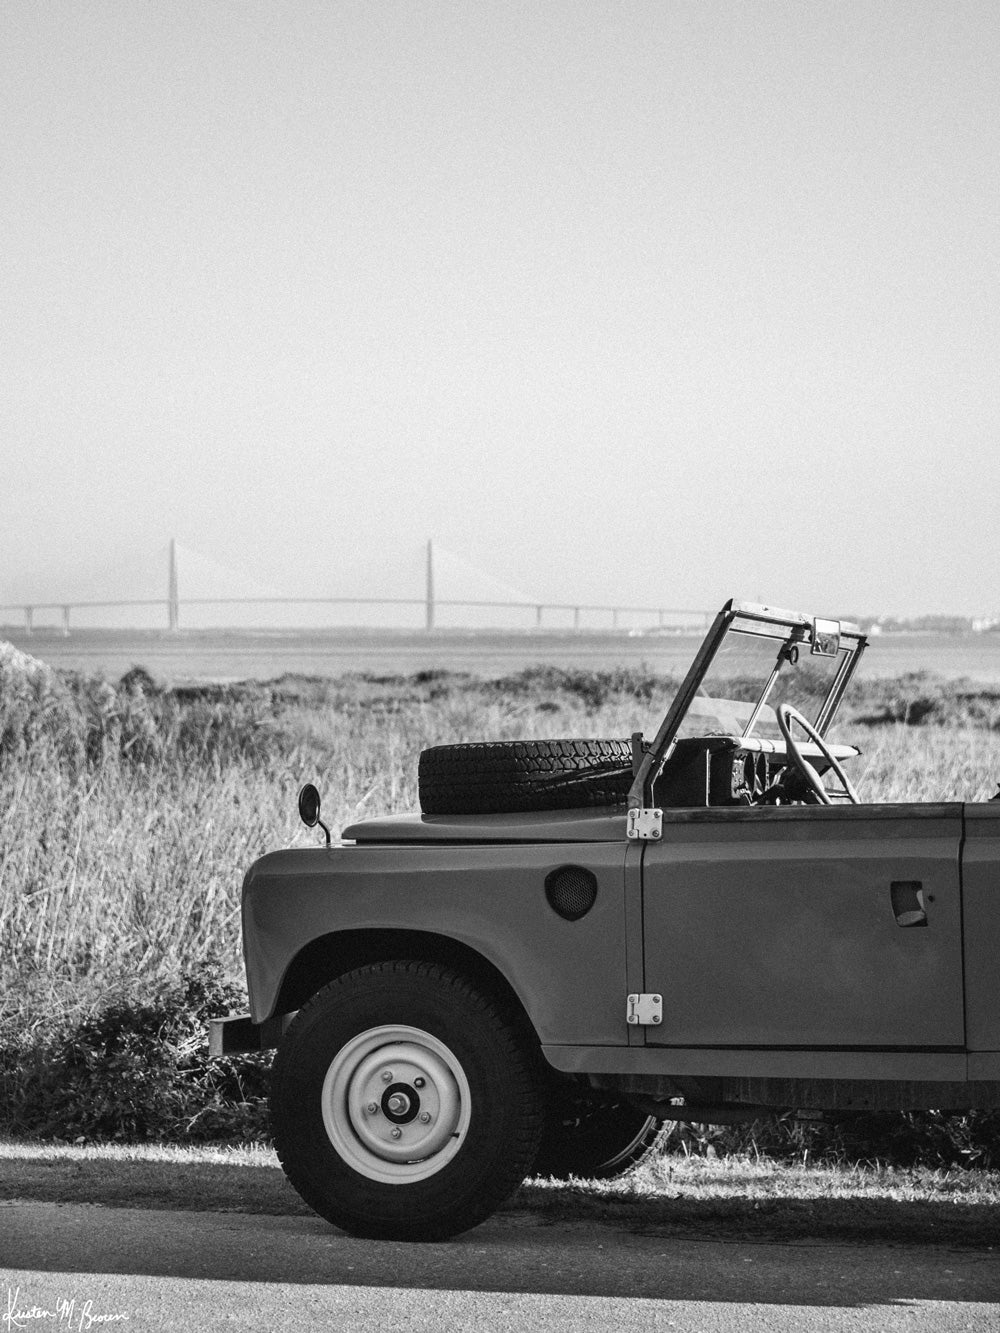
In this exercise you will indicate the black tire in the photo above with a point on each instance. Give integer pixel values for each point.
(594, 1137)
(500, 777)
(373, 1034)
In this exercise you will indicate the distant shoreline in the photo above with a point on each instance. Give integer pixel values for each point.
(262, 654)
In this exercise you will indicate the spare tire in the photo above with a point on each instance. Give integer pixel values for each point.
(500, 777)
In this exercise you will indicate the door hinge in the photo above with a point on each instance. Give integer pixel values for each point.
(645, 824)
(644, 1010)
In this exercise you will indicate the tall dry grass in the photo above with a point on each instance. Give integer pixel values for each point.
(128, 815)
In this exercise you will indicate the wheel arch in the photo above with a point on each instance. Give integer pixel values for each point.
(332, 955)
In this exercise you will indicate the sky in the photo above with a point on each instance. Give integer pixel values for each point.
(663, 301)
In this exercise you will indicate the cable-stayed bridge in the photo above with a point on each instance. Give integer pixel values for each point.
(177, 588)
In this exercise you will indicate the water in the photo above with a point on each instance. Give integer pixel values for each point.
(219, 655)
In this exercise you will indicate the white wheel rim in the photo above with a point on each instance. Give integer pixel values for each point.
(396, 1104)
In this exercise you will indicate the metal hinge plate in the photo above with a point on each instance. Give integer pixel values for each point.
(645, 824)
(644, 1010)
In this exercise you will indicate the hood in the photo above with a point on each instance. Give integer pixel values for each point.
(598, 825)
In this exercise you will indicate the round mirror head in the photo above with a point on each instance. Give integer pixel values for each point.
(309, 805)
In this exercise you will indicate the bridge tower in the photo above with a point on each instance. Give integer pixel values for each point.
(173, 605)
(430, 584)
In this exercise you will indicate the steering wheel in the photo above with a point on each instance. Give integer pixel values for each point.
(786, 716)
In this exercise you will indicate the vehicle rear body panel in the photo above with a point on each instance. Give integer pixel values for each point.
(981, 929)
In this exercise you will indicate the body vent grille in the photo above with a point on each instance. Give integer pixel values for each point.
(571, 891)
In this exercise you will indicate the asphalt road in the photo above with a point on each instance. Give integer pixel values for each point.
(74, 1266)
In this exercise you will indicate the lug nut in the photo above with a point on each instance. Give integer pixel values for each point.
(425, 1117)
(418, 1082)
(397, 1133)
(372, 1108)
(387, 1076)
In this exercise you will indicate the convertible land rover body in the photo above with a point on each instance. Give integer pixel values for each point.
(577, 940)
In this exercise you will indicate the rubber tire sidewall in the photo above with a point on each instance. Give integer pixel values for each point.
(505, 1120)
(608, 1140)
(509, 777)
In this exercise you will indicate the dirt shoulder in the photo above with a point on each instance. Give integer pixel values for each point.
(729, 1198)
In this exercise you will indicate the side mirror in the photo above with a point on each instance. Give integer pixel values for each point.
(309, 809)
(825, 638)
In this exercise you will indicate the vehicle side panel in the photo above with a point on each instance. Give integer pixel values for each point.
(750, 1062)
(570, 976)
(778, 927)
(981, 927)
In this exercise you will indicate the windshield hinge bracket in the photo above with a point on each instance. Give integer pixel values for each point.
(645, 824)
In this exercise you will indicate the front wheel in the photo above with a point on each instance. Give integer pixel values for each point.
(404, 1103)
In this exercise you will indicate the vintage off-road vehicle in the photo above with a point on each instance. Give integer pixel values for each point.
(576, 941)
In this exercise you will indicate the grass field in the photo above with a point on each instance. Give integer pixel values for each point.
(128, 814)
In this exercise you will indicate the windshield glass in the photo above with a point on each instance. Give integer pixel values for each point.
(739, 675)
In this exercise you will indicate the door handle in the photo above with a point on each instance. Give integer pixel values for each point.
(907, 897)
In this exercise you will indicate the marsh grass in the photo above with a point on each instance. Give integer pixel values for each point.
(128, 813)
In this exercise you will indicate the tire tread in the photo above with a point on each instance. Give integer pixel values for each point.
(520, 1080)
(500, 777)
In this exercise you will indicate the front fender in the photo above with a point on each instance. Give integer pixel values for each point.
(569, 976)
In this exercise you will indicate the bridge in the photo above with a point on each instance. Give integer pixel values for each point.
(60, 614)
